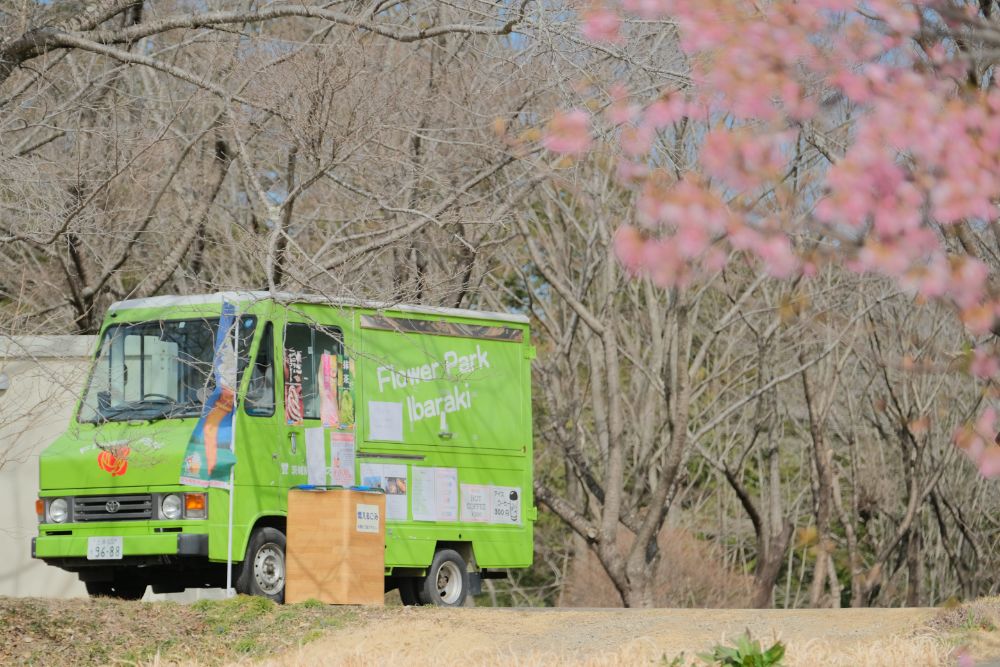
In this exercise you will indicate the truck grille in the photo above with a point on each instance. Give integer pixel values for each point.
(98, 508)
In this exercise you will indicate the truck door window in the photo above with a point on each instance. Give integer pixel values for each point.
(304, 347)
(259, 400)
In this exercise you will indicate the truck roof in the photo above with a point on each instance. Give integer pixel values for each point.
(288, 297)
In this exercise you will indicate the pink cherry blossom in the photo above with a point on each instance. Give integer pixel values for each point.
(715, 260)
(989, 462)
(636, 141)
(919, 154)
(933, 279)
(692, 240)
(630, 172)
(664, 266)
(621, 110)
(778, 257)
(629, 244)
(664, 112)
(620, 113)
(968, 281)
(568, 133)
(984, 363)
(979, 319)
(977, 442)
(741, 159)
(601, 25)
(649, 9)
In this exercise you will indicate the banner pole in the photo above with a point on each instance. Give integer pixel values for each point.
(229, 548)
(230, 592)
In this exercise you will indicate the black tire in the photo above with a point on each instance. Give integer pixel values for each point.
(120, 590)
(447, 580)
(409, 591)
(262, 572)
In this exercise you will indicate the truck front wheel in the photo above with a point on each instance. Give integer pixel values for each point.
(263, 570)
(447, 580)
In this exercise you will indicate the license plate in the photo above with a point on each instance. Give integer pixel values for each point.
(104, 548)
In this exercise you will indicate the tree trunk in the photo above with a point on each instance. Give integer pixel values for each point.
(824, 492)
(769, 567)
(914, 570)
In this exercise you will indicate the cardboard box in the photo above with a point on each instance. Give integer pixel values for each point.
(336, 546)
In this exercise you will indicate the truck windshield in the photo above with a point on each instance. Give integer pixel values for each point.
(156, 370)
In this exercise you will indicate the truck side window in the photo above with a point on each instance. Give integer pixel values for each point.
(304, 347)
(259, 400)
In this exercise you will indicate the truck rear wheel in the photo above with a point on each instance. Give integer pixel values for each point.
(262, 572)
(447, 580)
(121, 590)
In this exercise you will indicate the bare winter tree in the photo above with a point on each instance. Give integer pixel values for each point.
(633, 379)
(166, 147)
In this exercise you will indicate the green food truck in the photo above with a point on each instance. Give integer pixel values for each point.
(201, 412)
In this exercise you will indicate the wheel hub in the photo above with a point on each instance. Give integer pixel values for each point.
(269, 568)
(449, 583)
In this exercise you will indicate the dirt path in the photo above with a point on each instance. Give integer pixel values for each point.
(624, 637)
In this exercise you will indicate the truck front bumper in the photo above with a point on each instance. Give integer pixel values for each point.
(61, 547)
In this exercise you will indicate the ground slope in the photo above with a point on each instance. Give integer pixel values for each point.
(629, 636)
(255, 631)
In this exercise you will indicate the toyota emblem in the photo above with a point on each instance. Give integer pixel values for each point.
(112, 506)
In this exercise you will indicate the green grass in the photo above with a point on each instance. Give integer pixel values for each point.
(85, 632)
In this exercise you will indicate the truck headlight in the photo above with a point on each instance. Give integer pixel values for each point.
(171, 506)
(58, 510)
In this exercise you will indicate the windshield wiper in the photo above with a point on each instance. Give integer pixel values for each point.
(138, 410)
(175, 410)
(112, 414)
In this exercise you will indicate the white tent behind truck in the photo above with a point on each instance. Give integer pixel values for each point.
(40, 379)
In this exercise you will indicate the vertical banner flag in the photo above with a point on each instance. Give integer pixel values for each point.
(210, 457)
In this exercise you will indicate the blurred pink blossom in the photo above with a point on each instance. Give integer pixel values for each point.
(922, 151)
(629, 244)
(978, 443)
(664, 112)
(649, 9)
(631, 172)
(984, 363)
(636, 141)
(568, 133)
(600, 24)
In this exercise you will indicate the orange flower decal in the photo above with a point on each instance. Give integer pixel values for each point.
(114, 461)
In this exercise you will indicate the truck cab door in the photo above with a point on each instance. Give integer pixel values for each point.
(305, 344)
(261, 425)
